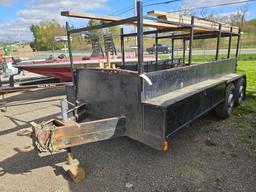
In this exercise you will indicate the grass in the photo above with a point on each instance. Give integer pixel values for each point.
(246, 112)
(206, 58)
(233, 47)
(242, 57)
(248, 46)
(249, 67)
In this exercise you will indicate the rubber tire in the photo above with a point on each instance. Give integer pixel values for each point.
(224, 109)
(239, 94)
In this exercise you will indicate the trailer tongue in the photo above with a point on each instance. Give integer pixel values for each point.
(57, 135)
(147, 101)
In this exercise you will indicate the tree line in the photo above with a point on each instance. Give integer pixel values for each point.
(45, 32)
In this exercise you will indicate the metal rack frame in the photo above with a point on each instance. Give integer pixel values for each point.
(140, 33)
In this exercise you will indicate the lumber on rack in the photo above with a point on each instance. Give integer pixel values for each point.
(201, 25)
(107, 19)
(90, 16)
(198, 22)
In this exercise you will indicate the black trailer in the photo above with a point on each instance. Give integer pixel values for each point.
(145, 101)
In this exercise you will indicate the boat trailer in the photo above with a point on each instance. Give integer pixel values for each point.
(145, 101)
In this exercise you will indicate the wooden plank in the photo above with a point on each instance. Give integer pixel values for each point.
(178, 18)
(149, 23)
(173, 17)
(187, 20)
(158, 25)
(205, 25)
(107, 19)
(90, 16)
(182, 20)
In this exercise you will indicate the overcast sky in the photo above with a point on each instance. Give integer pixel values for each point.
(16, 16)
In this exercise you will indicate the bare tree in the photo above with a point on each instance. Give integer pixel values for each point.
(238, 18)
(185, 10)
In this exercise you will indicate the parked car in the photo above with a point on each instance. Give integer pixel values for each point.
(160, 48)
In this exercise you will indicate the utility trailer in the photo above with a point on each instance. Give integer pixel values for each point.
(145, 101)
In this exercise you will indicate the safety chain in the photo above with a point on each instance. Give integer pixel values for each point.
(48, 147)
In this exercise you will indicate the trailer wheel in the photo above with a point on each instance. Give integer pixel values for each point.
(239, 91)
(224, 109)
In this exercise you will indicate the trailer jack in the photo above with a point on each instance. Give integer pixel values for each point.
(73, 168)
(56, 136)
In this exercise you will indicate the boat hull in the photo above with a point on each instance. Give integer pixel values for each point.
(59, 72)
(61, 69)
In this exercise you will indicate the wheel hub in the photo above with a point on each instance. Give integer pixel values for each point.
(230, 102)
(241, 92)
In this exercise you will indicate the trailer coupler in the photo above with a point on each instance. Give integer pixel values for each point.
(57, 136)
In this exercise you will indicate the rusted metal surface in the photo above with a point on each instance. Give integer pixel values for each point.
(4, 90)
(73, 135)
(55, 135)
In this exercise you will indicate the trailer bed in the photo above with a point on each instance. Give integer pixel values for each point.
(180, 94)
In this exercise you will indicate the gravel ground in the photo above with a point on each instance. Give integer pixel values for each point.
(205, 156)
